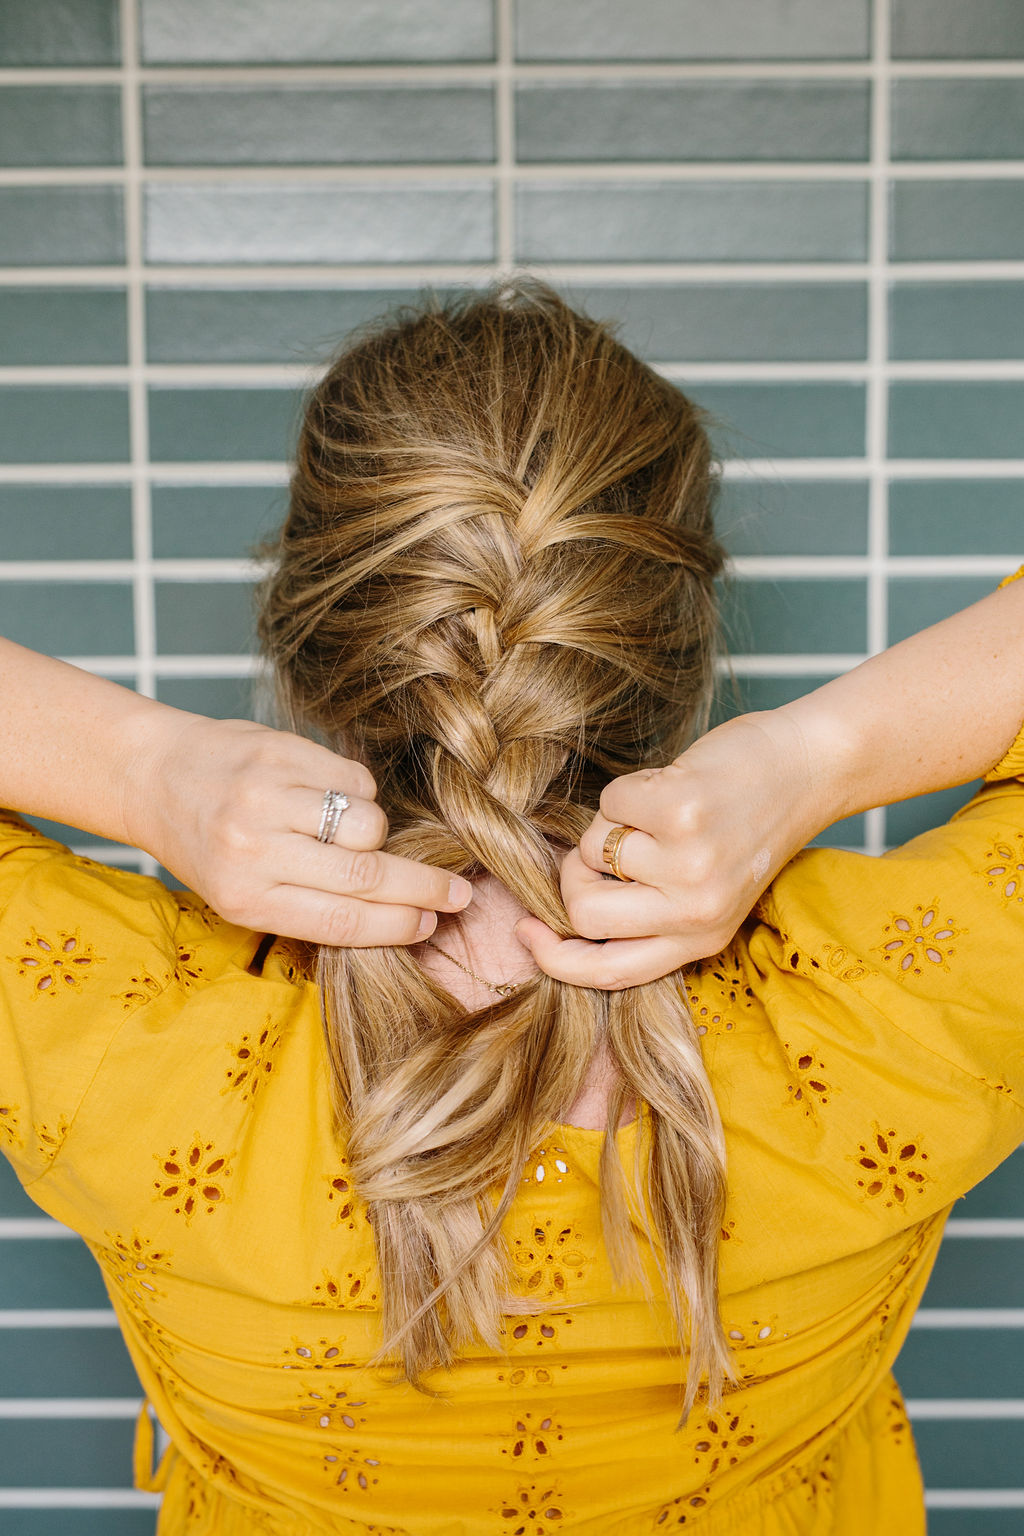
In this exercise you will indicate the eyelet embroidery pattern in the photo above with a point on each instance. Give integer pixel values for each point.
(682, 1510)
(920, 941)
(133, 1263)
(194, 1179)
(143, 989)
(324, 1355)
(1004, 871)
(890, 1167)
(352, 1478)
(550, 1259)
(812, 1087)
(352, 1293)
(539, 1332)
(58, 965)
(50, 1138)
(708, 1023)
(755, 1334)
(341, 1194)
(723, 1439)
(534, 1510)
(731, 984)
(253, 1060)
(532, 1436)
(550, 1163)
(9, 1124)
(839, 962)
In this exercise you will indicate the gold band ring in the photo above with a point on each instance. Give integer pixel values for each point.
(612, 847)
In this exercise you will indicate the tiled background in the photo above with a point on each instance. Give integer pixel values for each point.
(811, 213)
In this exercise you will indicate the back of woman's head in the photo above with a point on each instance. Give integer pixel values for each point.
(495, 587)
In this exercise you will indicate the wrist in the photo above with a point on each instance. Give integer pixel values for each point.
(825, 751)
(148, 735)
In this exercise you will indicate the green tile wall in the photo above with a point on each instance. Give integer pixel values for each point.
(835, 276)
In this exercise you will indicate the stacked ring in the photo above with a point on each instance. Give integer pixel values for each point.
(612, 846)
(335, 803)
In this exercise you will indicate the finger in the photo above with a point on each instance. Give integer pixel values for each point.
(317, 765)
(606, 909)
(609, 967)
(320, 917)
(362, 825)
(638, 852)
(372, 876)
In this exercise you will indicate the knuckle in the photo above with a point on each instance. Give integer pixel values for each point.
(364, 870)
(341, 926)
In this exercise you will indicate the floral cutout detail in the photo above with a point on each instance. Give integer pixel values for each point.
(732, 984)
(721, 1441)
(728, 1232)
(9, 1124)
(252, 1062)
(890, 1167)
(532, 1437)
(759, 1331)
(840, 963)
(57, 965)
(681, 1511)
(332, 1410)
(143, 989)
(353, 1291)
(538, 1332)
(343, 1197)
(198, 910)
(324, 1355)
(194, 1179)
(708, 1023)
(550, 1258)
(187, 969)
(50, 1138)
(896, 1417)
(915, 943)
(352, 1470)
(812, 1087)
(550, 1164)
(133, 1262)
(534, 1510)
(1004, 870)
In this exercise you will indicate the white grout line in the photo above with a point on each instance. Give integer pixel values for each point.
(969, 1317)
(987, 1226)
(965, 1408)
(77, 1498)
(70, 1407)
(54, 1317)
(33, 1227)
(505, 137)
(974, 1498)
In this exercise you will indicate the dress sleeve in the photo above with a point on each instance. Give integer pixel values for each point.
(82, 947)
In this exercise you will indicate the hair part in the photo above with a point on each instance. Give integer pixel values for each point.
(495, 587)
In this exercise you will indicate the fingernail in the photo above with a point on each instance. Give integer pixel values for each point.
(459, 891)
(428, 922)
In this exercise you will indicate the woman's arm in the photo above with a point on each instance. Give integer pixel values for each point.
(232, 808)
(719, 823)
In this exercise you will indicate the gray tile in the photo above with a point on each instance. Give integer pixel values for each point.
(915, 602)
(314, 31)
(974, 1522)
(60, 125)
(222, 424)
(948, 29)
(787, 617)
(65, 1453)
(959, 1362)
(223, 698)
(63, 325)
(726, 322)
(97, 1522)
(957, 517)
(320, 222)
(260, 325)
(966, 420)
(1001, 1194)
(956, 320)
(958, 120)
(65, 522)
(984, 1272)
(214, 521)
(971, 1453)
(65, 1362)
(691, 221)
(910, 818)
(49, 1272)
(957, 220)
(787, 421)
(69, 618)
(60, 32)
(300, 124)
(63, 424)
(14, 1201)
(798, 517)
(692, 120)
(691, 29)
(204, 617)
(61, 226)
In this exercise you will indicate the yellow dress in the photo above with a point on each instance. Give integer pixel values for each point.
(163, 1091)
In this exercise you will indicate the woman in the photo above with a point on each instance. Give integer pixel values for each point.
(391, 1273)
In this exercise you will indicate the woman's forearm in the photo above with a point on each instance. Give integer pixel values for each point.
(935, 710)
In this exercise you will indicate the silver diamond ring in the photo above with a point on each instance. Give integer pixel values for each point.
(335, 803)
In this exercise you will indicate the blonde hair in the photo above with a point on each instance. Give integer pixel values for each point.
(495, 587)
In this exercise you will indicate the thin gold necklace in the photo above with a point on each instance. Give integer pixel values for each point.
(503, 988)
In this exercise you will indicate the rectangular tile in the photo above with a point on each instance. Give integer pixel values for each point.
(314, 31)
(970, 1522)
(320, 222)
(917, 601)
(66, 1453)
(792, 616)
(65, 522)
(78, 32)
(961, 1362)
(222, 424)
(948, 29)
(60, 125)
(63, 424)
(957, 220)
(968, 420)
(199, 617)
(222, 698)
(692, 120)
(69, 618)
(980, 1272)
(61, 226)
(259, 325)
(214, 521)
(63, 325)
(691, 29)
(300, 124)
(13, 1199)
(104, 1522)
(691, 221)
(957, 517)
(971, 1453)
(798, 517)
(726, 322)
(786, 421)
(909, 818)
(1001, 1194)
(47, 1272)
(65, 1362)
(958, 120)
(956, 320)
